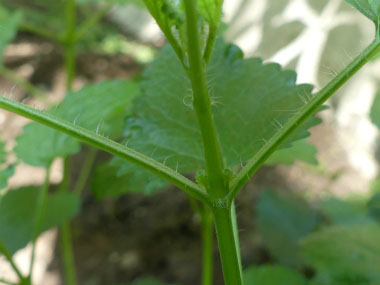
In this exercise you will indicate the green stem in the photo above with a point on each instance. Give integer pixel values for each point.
(107, 145)
(12, 76)
(70, 40)
(202, 106)
(40, 212)
(67, 254)
(306, 111)
(3, 281)
(228, 245)
(216, 187)
(9, 257)
(92, 21)
(207, 246)
(85, 171)
(39, 32)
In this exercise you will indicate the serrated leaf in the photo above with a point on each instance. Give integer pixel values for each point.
(99, 107)
(345, 212)
(8, 29)
(375, 111)
(251, 102)
(272, 274)
(346, 253)
(18, 210)
(107, 182)
(300, 150)
(282, 220)
(369, 8)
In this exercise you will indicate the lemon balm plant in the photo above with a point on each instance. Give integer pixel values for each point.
(200, 108)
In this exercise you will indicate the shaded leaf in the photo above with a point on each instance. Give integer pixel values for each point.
(107, 182)
(300, 150)
(98, 107)
(18, 210)
(345, 212)
(5, 174)
(8, 28)
(282, 220)
(345, 253)
(251, 102)
(374, 206)
(272, 274)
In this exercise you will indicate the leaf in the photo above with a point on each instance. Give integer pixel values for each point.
(345, 212)
(345, 253)
(300, 150)
(272, 274)
(106, 182)
(3, 153)
(375, 111)
(5, 174)
(369, 8)
(374, 206)
(251, 102)
(282, 220)
(8, 29)
(18, 210)
(100, 107)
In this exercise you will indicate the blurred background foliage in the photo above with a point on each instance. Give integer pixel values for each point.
(310, 222)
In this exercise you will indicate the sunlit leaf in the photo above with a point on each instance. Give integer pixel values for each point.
(369, 8)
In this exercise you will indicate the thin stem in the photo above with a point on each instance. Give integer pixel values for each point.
(40, 32)
(306, 111)
(92, 21)
(207, 246)
(69, 42)
(40, 212)
(107, 145)
(228, 245)
(202, 106)
(24, 84)
(85, 171)
(3, 281)
(9, 257)
(67, 254)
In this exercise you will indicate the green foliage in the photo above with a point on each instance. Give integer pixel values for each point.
(300, 150)
(92, 107)
(8, 28)
(272, 274)
(148, 281)
(369, 8)
(375, 111)
(345, 212)
(374, 206)
(282, 220)
(349, 255)
(5, 171)
(108, 182)
(164, 125)
(18, 211)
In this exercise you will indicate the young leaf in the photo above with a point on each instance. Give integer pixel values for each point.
(346, 253)
(283, 219)
(106, 182)
(8, 28)
(272, 274)
(18, 210)
(92, 107)
(369, 8)
(251, 102)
